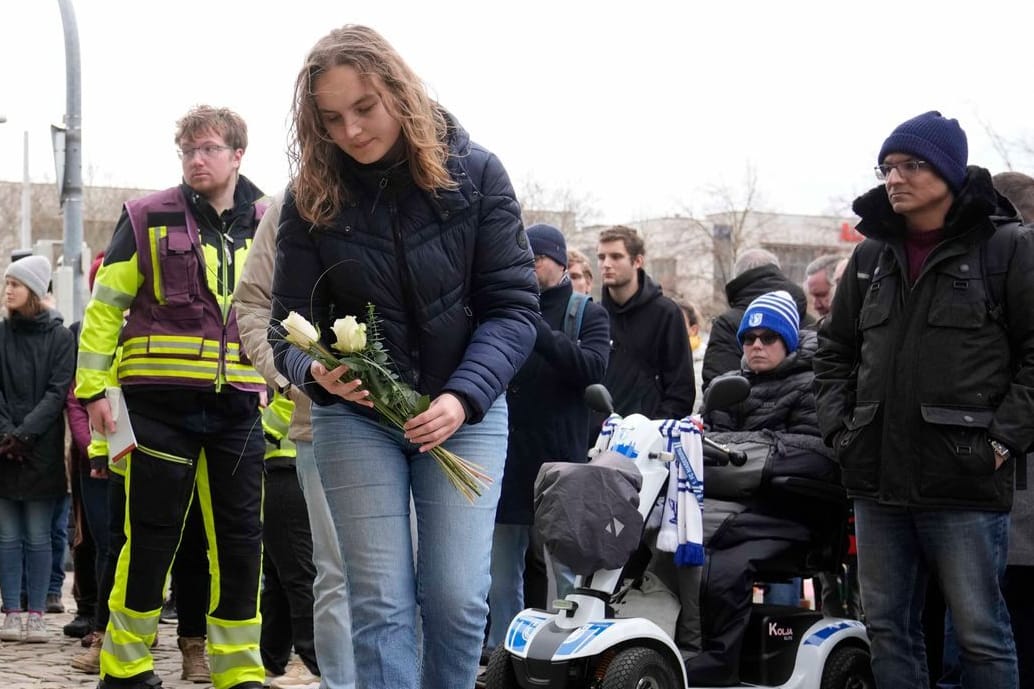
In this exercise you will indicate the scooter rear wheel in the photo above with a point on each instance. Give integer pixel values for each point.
(639, 668)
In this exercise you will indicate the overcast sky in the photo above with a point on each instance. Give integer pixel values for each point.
(643, 110)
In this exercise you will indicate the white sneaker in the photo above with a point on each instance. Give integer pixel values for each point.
(36, 629)
(12, 629)
(297, 676)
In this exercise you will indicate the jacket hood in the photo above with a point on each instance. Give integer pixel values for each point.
(749, 285)
(46, 319)
(976, 200)
(648, 291)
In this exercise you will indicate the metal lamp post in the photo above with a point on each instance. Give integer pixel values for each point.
(70, 178)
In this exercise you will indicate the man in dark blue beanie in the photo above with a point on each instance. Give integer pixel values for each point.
(935, 139)
(547, 240)
(925, 390)
(548, 420)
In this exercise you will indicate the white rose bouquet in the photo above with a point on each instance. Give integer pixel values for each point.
(363, 352)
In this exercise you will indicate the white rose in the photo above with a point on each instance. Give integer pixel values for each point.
(300, 332)
(350, 334)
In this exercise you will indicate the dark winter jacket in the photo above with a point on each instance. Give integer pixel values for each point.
(651, 368)
(780, 400)
(548, 416)
(37, 362)
(913, 382)
(450, 274)
(723, 351)
(778, 428)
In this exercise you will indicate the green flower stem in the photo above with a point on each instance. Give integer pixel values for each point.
(468, 478)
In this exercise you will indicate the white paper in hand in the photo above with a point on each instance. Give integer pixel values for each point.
(121, 441)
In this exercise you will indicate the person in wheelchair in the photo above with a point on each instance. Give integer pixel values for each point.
(753, 524)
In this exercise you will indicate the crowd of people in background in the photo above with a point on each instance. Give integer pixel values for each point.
(310, 545)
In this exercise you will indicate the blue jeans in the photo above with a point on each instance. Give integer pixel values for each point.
(25, 539)
(784, 593)
(506, 596)
(368, 471)
(331, 615)
(94, 493)
(59, 543)
(898, 551)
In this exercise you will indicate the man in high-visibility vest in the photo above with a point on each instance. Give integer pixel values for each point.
(192, 397)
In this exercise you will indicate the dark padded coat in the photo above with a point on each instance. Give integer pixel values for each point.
(37, 362)
(450, 274)
(913, 381)
(780, 400)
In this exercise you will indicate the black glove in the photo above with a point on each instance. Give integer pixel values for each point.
(99, 462)
(20, 447)
(5, 445)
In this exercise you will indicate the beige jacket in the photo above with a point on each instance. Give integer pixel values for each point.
(252, 300)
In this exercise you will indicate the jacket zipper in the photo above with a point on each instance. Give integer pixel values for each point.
(400, 253)
(223, 296)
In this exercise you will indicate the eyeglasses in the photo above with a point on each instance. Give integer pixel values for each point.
(906, 169)
(208, 151)
(767, 338)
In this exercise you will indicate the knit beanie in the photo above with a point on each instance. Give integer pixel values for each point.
(547, 240)
(33, 272)
(776, 311)
(937, 140)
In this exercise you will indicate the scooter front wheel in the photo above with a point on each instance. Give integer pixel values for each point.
(639, 668)
(500, 673)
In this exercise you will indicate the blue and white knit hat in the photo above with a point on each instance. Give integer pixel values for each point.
(776, 311)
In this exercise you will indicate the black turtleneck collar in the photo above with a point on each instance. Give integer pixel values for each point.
(391, 170)
(560, 292)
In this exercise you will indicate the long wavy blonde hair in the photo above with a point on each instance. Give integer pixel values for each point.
(315, 158)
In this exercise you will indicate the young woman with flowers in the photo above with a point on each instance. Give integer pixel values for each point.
(392, 205)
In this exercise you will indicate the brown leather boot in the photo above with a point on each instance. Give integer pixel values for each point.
(89, 661)
(195, 662)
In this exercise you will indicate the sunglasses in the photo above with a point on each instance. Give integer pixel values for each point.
(767, 338)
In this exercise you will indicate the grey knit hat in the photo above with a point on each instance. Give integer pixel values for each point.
(33, 272)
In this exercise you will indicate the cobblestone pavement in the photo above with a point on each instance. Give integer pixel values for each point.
(46, 666)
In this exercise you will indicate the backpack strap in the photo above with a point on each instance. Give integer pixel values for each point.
(996, 251)
(574, 314)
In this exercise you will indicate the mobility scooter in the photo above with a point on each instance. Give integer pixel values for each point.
(584, 644)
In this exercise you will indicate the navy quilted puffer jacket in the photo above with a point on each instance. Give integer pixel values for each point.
(450, 274)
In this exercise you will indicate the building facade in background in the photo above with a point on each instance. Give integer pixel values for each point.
(691, 258)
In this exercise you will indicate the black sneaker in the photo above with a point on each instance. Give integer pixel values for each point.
(79, 627)
(168, 614)
(148, 681)
(54, 603)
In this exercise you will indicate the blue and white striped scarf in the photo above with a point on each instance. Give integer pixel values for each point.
(682, 524)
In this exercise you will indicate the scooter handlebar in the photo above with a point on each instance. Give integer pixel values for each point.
(737, 458)
(718, 455)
